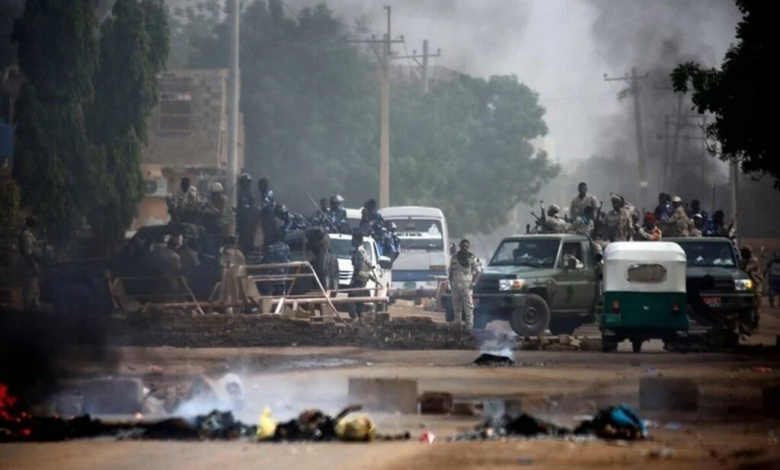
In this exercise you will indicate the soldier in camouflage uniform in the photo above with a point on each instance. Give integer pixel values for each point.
(618, 222)
(28, 248)
(677, 225)
(219, 219)
(581, 201)
(553, 223)
(463, 275)
(697, 224)
(583, 225)
(186, 207)
(752, 267)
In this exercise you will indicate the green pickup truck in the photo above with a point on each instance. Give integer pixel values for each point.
(537, 282)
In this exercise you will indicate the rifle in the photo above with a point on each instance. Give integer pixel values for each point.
(324, 216)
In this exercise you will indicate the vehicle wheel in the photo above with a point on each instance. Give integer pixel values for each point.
(608, 345)
(75, 298)
(636, 345)
(563, 327)
(531, 320)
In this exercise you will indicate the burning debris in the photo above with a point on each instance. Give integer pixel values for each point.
(493, 360)
(619, 422)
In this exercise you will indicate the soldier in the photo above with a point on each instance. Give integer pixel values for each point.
(696, 209)
(361, 272)
(392, 242)
(338, 216)
(230, 256)
(617, 222)
(719, 228)
(553, 223)
(581, 201)
(317, 219)
(188, 204)
(749, 264)
(463, 275)
(28, 248)
(772, 276)
(583, 225)
(664, 209)
(267, 200)
(649, 231)
(697, 224)
(678, 223)
(245, 213)
(219, 218)
(276, 252)
(372, 223)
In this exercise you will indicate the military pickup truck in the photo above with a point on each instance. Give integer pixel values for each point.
(537, 282)
(719, 292)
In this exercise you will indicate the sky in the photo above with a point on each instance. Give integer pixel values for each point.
(560, 48)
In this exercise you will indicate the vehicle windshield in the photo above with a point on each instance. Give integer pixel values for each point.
(709, 254)
(419, 235)
(343, 248)
(537, 253)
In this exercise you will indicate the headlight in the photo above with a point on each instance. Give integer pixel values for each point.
(510, 284)
(743, 284)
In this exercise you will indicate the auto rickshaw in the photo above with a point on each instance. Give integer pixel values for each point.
(644, 295)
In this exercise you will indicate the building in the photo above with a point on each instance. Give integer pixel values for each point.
(187, 136)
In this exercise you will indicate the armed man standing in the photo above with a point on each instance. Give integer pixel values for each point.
(361, 272)
(581, 201)
(28, 246)
(463, 275)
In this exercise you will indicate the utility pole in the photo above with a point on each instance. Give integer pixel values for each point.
(384, 158)
(426, 56)
(234, 86)
(633, 81)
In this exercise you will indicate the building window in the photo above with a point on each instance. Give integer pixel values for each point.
(175, 113)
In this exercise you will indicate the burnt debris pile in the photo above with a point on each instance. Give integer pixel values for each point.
(493, 360)
(618, 422)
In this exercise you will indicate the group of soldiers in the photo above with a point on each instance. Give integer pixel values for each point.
(670, 219)
(258, 226)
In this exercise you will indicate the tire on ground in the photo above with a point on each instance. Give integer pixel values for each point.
(668, 394)
(532, 319)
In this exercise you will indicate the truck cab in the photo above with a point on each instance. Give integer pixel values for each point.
(537, 282)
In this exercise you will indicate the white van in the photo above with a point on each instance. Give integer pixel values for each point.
(341, 246)
(424, 250)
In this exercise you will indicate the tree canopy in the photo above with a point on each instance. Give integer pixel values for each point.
(81, 114)
(743, 95)
(310, 101)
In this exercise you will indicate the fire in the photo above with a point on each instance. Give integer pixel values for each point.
(7, 402)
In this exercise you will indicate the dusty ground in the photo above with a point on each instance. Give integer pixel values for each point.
(728, 432)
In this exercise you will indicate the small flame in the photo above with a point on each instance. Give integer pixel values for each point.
(7, 401)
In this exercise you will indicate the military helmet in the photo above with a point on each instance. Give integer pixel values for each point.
(245, 178)
(677, 199)
(216, 187)
(391, 225)
(554, 208)
(336, 199)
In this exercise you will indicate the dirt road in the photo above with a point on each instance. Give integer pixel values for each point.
(728, 432)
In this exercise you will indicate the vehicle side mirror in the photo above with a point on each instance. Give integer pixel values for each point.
(385, 262)
(571, 263)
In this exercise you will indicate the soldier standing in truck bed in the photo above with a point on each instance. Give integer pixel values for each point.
(617, 222)
(581, 201)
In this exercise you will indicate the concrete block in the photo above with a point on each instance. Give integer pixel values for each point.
(436, 403)
(386, 395)
(667, 393)
(771, 399)
(112, 396)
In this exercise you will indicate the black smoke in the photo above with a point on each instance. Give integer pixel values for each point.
(654, 37)
(39, 350)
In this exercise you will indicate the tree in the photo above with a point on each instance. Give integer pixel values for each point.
(190, 21)
(743, 94)
(134, 45)
(54, 162)
(311, 100)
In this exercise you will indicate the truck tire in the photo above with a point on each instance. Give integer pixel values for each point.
(76, 298)
(531, 320)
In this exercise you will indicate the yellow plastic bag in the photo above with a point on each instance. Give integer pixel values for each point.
(358, 428)
(266, 426)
